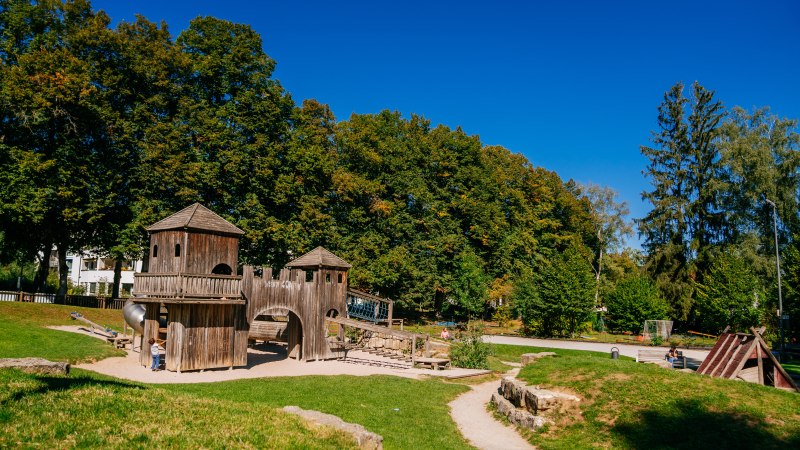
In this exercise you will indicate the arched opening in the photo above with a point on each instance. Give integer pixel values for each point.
(177, 250)
(155, 251)
(332, 313)
(281, 332)
(222, 269)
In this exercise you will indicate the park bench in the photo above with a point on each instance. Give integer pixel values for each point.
(659, 356)
(433, 363)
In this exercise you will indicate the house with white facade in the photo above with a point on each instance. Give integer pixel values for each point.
(96, 274)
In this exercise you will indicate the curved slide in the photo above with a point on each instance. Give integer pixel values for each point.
(133, 314)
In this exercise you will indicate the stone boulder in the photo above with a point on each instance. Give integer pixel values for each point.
(519, 417)
(36, 365)
(513, 390)
(538, 400)
(528, 358)
(364, 438)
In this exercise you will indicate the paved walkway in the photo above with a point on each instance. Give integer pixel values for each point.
(694, 357)
(478, 425)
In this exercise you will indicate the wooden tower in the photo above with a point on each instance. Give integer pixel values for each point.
(191, 292)
(310, 288)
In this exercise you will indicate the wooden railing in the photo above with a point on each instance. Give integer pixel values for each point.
(187, 285)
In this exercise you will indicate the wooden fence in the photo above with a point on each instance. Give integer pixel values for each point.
(87, 301)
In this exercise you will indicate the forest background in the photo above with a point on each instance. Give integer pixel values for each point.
(107, 130)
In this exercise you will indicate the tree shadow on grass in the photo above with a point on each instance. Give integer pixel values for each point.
(63, 383)
(695, 426)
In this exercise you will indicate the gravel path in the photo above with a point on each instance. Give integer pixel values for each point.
(478, 425)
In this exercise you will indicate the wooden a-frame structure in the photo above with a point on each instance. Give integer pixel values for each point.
(746, 357)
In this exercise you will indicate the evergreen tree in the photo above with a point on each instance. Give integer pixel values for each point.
(684, 169)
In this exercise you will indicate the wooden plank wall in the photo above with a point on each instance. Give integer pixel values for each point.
(206, 337)
(151, 313)
(310, 301)
(200, 252)
(204, 251)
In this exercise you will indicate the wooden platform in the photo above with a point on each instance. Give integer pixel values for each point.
(433, 363)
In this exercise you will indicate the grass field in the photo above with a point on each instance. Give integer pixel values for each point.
(90, 410)
(630, 405)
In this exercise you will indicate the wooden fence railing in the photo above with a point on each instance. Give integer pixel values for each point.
(87, 301)
(187, 285)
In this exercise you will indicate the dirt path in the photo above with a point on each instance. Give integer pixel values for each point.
(478, 425)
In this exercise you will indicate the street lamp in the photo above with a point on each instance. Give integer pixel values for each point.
(778, 264)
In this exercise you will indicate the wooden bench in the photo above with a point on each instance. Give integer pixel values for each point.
(433, 363)
(659, 356)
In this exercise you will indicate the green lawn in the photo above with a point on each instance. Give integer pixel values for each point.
(630, 405)
(89, 410)
(23, 333)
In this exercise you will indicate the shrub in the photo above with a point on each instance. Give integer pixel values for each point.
(469, 351)
(633, 301)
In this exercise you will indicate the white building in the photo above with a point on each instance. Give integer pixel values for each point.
(96, 274)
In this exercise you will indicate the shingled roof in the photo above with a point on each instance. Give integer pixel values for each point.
(319, 257)
(196, 217)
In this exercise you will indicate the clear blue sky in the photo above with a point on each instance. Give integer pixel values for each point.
(574, 86)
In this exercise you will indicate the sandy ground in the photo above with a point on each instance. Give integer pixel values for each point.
(478, 425)
(263, 361)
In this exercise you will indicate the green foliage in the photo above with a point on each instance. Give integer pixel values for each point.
(468, 350)
(730, 296)
(556, 301)
(633, 301)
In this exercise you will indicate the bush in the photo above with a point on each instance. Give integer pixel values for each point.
(469, 351)
(633, 301)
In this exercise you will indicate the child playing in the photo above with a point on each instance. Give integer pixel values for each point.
(156, 353)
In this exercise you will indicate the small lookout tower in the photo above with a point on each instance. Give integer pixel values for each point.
(311, 288)
(192, 295)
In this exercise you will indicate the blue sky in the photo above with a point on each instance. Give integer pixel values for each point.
(573, 86)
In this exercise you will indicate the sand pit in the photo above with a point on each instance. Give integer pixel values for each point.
(263, 361)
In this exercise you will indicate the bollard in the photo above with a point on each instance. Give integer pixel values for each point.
(614, 353)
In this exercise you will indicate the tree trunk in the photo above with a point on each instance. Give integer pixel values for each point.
(63, 271)
(597, 279)
(43, 271)
(117, 277)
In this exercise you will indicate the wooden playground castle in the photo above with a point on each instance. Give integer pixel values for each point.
(202, 311)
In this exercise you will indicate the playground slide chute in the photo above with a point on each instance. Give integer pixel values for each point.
(134, 315)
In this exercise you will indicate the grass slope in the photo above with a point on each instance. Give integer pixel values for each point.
(87, 410)
(22, 333)
(90, 411)
(630, 405)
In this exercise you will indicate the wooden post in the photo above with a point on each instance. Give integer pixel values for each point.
(413, 349)
(391, 307)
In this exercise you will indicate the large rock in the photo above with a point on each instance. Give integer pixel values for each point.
(36, 365)
(364, 438)
(538, 400)
(528, 358)
(519, 417)
(513, 390)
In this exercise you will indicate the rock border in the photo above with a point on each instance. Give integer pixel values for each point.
(36, 365)
(364, 438)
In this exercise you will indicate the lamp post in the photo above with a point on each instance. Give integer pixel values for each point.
(778, 264)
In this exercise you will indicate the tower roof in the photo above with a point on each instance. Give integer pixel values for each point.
(196, 217)
(319, 257)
